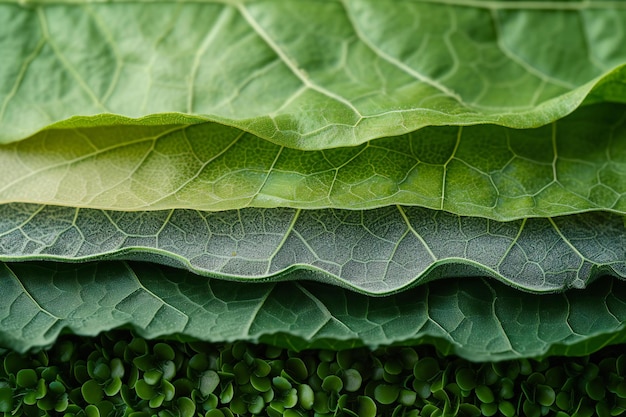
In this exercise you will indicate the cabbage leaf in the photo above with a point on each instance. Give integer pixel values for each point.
(475, 318)
(305, 74)
(376, 252)
(576, 164)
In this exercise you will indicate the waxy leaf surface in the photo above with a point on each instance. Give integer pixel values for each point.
(376, 252)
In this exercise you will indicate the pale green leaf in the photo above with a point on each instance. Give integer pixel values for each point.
(305, 74)
(376, 252)
(475, 318)
(576, 164)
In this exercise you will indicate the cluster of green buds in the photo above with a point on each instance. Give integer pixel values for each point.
(118, 374)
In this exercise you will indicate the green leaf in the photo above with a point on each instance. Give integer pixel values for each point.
(186, 407)
(209, 380)
(27, 378)
(92, 392)
(303, 73)
(367, 406)
(42, 300)
(376, 252)
(6, 399)
(386, 394)
(332, 383)
(305, 396)
(484, 394)
(576, 164)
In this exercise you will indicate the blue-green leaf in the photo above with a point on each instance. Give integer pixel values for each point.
(476, 318)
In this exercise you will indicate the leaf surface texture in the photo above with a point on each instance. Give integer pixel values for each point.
(376, 252)
(305, 74)
(478, 319)
(576, 164)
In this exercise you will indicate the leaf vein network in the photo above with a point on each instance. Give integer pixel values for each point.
(302, 76)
